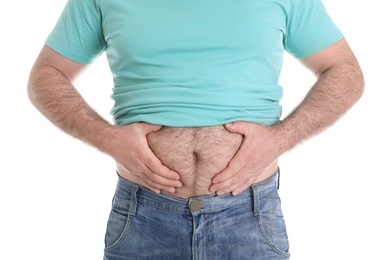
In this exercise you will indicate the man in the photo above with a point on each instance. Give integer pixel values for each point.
(197, 129)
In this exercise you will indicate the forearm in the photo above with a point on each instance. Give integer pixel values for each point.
(52, 92)
(335, 92)
(54, 95)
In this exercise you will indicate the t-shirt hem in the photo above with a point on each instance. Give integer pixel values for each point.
(67, 53)
(319, 47)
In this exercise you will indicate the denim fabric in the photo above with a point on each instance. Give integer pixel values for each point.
(145, 225)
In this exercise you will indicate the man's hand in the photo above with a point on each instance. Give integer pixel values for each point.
(131, 151)
(257, 152)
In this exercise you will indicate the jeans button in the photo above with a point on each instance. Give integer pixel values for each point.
(195, 205)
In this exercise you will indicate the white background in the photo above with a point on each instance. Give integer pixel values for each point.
(55, 192)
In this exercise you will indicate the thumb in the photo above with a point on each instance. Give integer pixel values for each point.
(149, 128)
(236, 127)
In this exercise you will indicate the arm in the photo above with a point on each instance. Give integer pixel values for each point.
(339, 85)
(51, 90)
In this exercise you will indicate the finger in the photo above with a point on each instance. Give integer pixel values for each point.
(238, 183)
(150, 159)
(145, 182)
(156, 182)
(149, 128)
(155, 166)
(237, 127)
(231, 184)
(141, 171)
(227, 185)
(160, 180)
(155, 186)
(244, 186)
(235, 165)
(140, 178)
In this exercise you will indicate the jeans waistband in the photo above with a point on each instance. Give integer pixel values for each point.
(209, 203)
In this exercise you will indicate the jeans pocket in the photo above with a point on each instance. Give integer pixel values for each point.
(271, 221)
(119, 220)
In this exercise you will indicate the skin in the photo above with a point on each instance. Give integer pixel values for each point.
(51, 91)
(339, 85)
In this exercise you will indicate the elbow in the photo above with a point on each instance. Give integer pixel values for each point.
(37, 86)
(33, 88)
(359, 84)
(352, 75)
(31, 91)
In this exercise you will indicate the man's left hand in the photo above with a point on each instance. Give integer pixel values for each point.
(257, 152)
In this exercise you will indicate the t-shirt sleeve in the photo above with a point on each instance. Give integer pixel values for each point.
(78, 33)
(309, 28)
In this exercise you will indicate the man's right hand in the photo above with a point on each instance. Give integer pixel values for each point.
(137, 162)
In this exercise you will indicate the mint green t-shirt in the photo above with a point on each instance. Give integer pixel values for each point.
(193, 62)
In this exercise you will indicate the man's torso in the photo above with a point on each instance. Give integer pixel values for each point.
(197, 154)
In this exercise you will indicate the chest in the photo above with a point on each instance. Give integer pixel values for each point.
(169, 31)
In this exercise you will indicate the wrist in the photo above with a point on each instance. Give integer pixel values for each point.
(284, 137)
(106, 139)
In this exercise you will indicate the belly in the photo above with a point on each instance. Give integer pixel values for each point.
(197, 154)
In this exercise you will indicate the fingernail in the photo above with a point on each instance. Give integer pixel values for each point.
(220, 193)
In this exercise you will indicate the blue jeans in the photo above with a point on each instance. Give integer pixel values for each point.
(146, 225)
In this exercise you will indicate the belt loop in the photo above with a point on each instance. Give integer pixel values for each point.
(256, 200)
(278, 184)
(133, 203)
